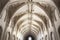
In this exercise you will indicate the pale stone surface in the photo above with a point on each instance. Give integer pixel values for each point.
(20, 18)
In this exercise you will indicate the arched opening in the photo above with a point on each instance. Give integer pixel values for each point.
(29, 36)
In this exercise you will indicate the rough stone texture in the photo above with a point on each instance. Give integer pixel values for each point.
(2, 4)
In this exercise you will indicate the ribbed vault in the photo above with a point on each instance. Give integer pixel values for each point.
(29, 18)
(32, 19)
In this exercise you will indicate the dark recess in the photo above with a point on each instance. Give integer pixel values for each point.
(59, 30)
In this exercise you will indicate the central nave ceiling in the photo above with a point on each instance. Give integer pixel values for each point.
(22, 19)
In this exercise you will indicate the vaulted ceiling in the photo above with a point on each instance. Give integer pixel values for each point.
(29, 17)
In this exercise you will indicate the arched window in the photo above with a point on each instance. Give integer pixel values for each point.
(29, 38)
(0, 32)
(59, 31)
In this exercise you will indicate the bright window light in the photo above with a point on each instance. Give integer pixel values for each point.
(29, 38)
